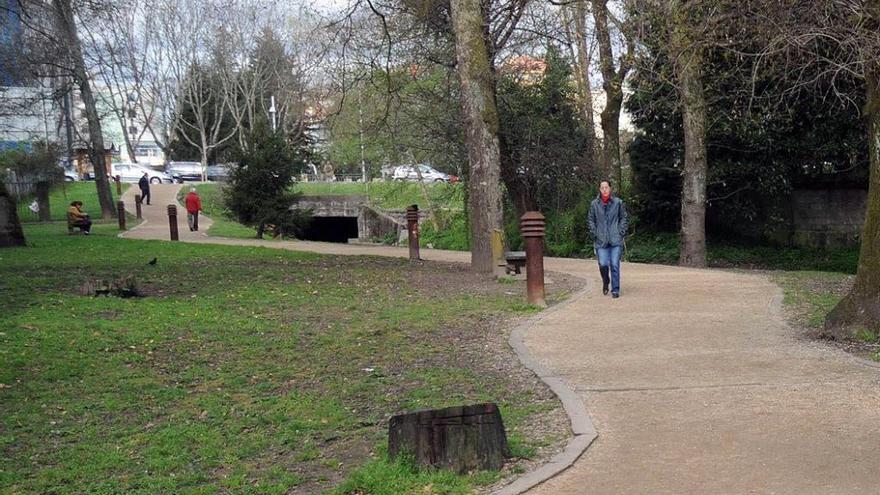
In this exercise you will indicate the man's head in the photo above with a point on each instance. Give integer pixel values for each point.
(192, 189)
(605, 188)
(146, 174)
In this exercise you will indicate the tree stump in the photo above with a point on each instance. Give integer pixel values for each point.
(460, 439)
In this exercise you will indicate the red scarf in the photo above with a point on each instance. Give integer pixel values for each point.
(605, 199)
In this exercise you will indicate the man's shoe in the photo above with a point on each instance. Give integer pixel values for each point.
(615, 295)
(606, 280)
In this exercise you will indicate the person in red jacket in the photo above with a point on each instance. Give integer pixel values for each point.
(193, 207)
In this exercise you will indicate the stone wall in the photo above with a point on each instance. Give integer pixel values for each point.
(827, 218)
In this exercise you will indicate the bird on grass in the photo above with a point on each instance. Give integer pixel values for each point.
(153, 261)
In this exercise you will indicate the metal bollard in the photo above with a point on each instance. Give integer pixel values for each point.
(137, 205)
(532, 228)
(172, 222)
(118, 181)
(120, 214)
(412, 227)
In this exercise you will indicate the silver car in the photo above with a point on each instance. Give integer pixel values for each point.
(185, 170)
(132, 172)
(414, 172)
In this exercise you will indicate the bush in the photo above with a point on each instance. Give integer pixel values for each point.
(452, 232)
(259, 193)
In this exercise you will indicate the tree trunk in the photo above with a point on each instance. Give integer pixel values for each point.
(10, 228)
(688, 69)
(204, 161)
(67, 31)
(612, 83)
(129, 146)
(460, 438)
(610, 122)
(860, 309)
(42, 194)
(582, 72)
(481, 129)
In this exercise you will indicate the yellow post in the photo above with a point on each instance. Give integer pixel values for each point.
(498, 249)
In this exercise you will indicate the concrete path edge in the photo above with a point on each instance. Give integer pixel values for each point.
(581, 424)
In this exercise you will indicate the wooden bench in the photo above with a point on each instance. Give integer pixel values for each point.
(73, 229)
(515, 261)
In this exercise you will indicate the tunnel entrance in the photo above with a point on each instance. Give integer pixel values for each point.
(332, 229)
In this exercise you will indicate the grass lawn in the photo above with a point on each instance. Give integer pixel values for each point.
(809, 296)
(243, 370)
(60, 197)
(392, 195)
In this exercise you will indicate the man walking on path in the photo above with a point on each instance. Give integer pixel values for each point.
(608, 222)
(193, 207)
(144, 184)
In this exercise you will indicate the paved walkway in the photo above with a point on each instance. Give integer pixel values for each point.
(692, 379)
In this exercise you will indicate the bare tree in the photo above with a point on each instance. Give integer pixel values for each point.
(582, 47)
(481, 128)
(119, 43)
(190, 76)
(613, 77)
(67, 35)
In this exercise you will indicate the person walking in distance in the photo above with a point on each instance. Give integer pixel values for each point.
(144, 184)
(193, 207)
(608, 222)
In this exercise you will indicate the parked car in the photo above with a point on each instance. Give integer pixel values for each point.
(185, 170)
(219, 172)
(70, 175)
(132, 172)
(427, 173)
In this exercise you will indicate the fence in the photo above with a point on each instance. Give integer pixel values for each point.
(21, 190)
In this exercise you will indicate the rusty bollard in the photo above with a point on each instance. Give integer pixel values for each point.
(531, 225)
(118, 181)
(137, 205)
(172, 222)
(120, 213)
(412, 227)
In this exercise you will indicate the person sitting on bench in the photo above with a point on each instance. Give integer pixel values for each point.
(78, 218)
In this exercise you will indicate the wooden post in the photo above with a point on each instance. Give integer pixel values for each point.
(120, 214)
(118, 181)
(137, 205)
(461, 438)
(412, 227)
(172, 222)
(532, 229)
